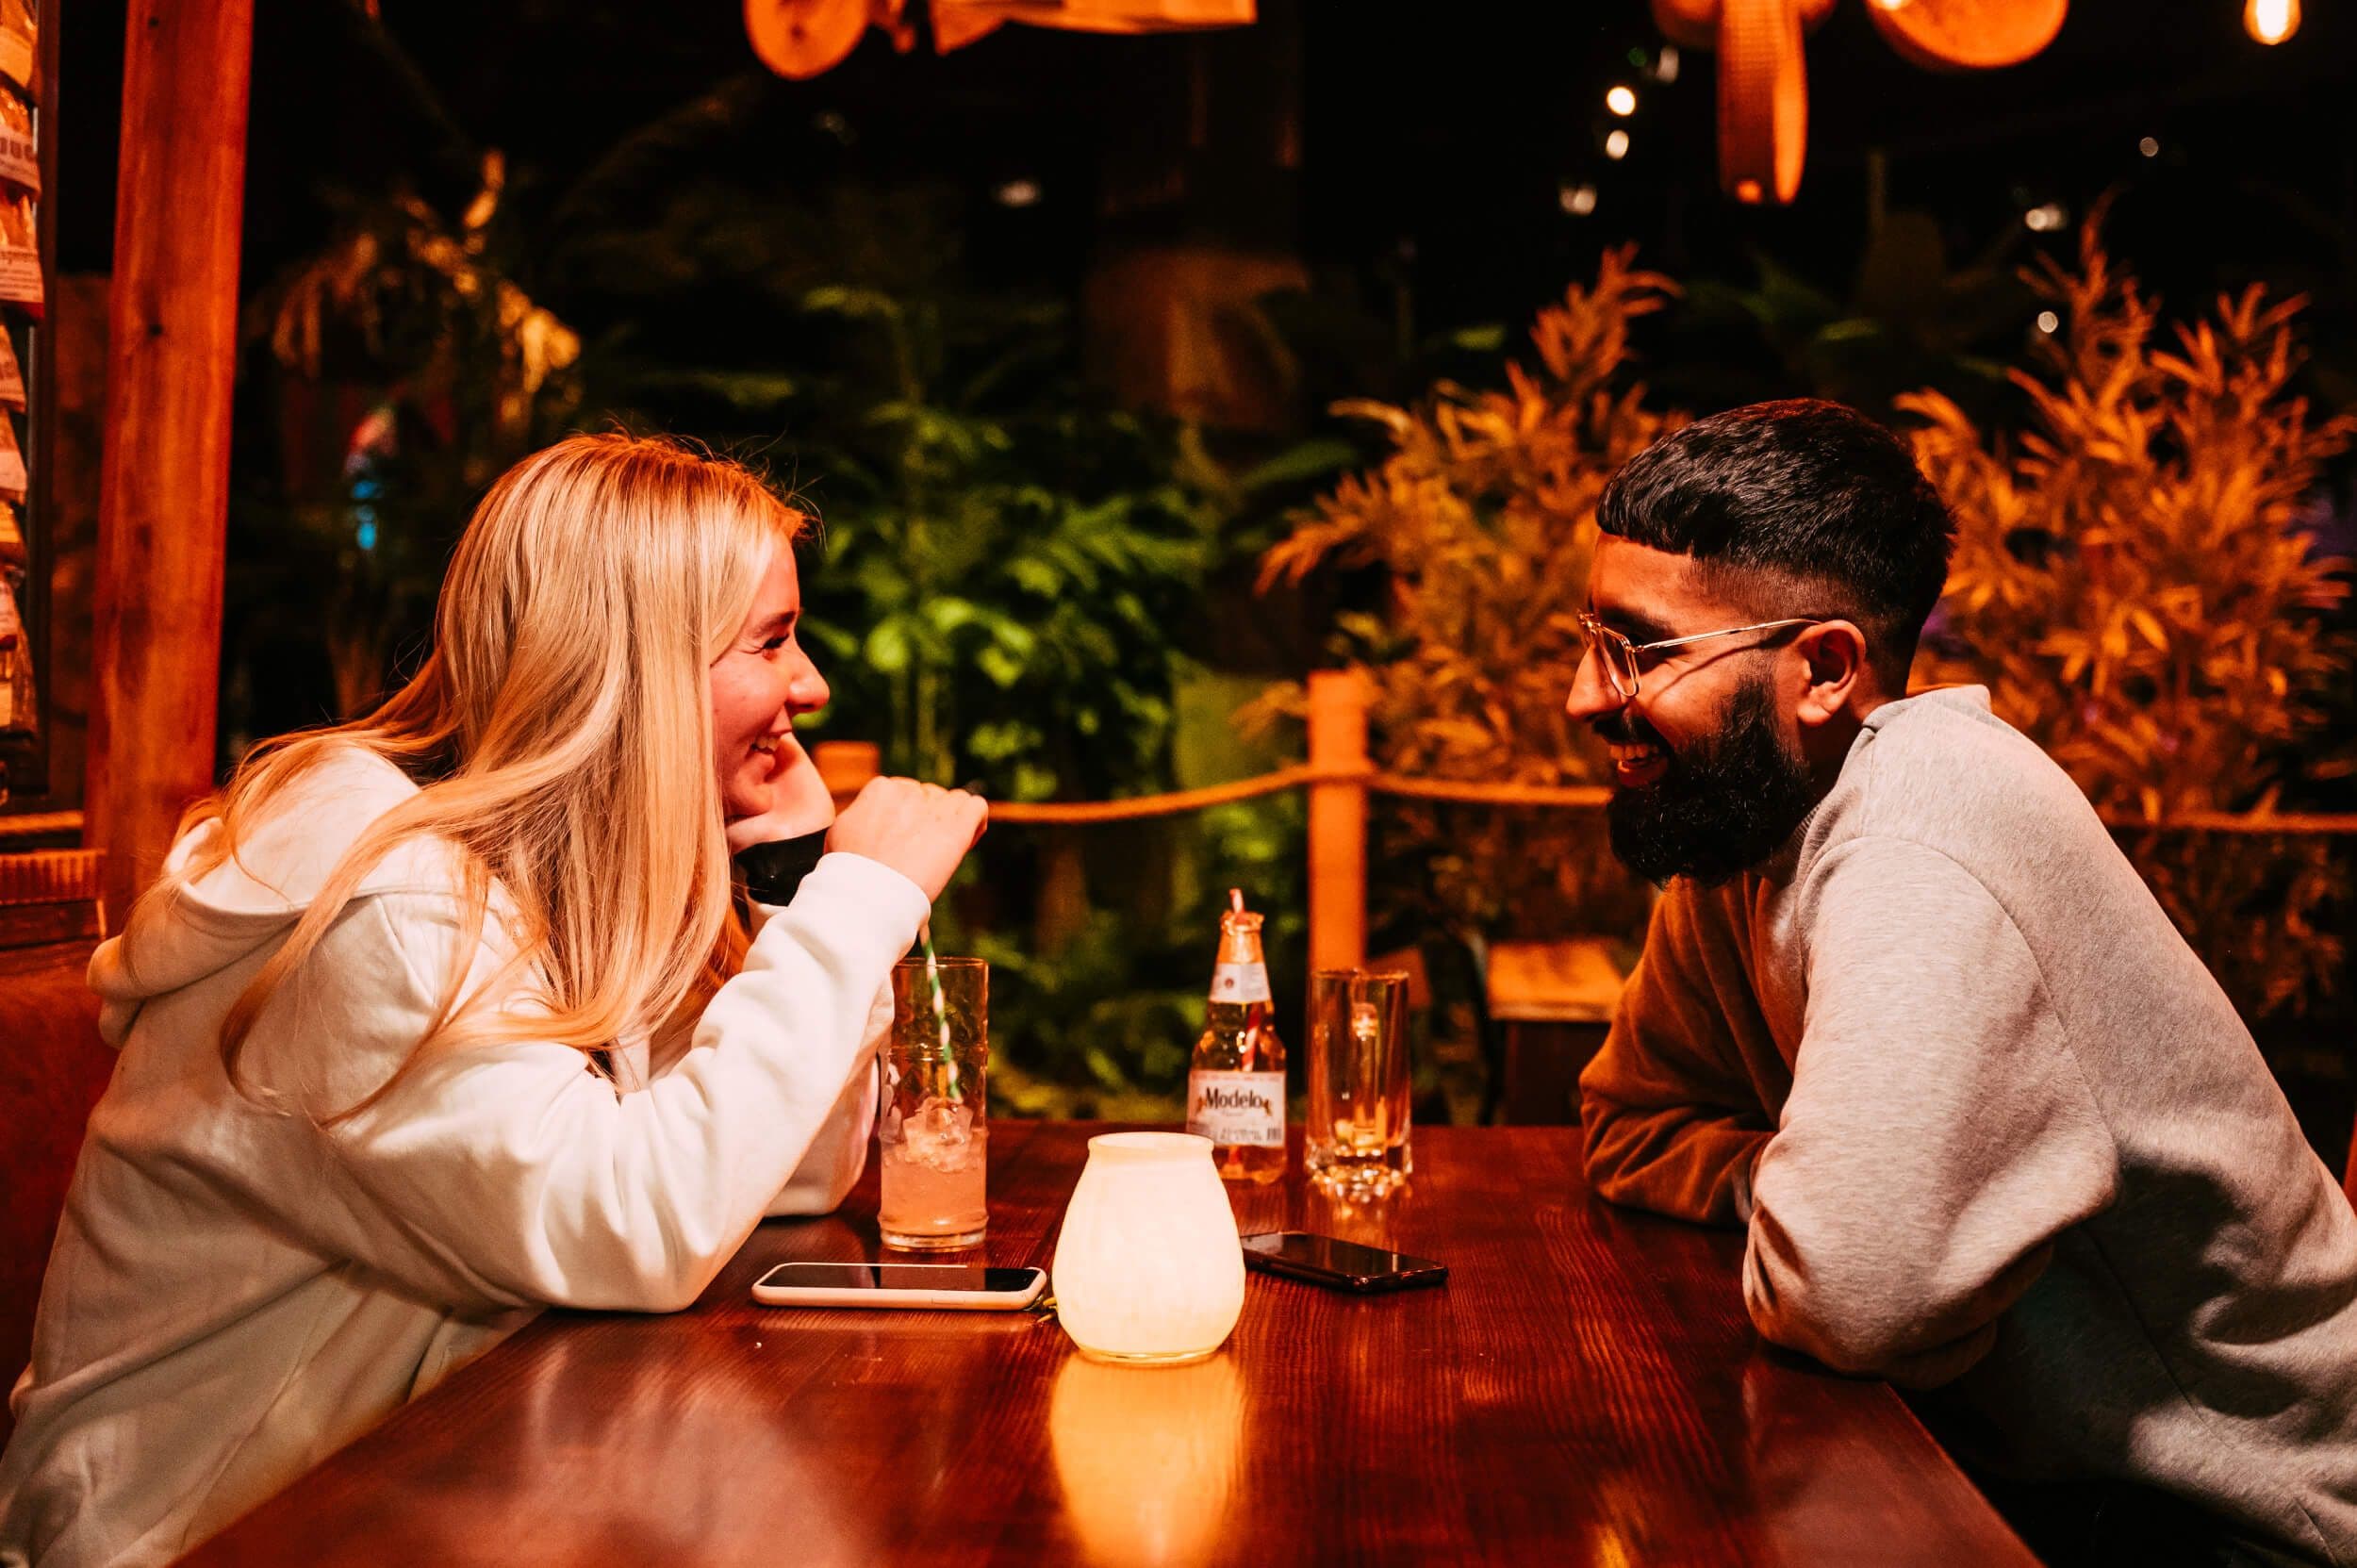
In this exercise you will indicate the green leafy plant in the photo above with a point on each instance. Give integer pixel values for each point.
(1911, 317)
(2133, 581)
(1007, 573)
(1010, 584)
(1482, 520)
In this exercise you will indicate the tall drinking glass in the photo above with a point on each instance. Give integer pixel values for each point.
(1357, 1136)
(932, 1134)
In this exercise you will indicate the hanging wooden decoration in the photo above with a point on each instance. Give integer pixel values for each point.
(958, 23)
(1122, 16)
(892, 18)
(801, 39)
(1763, 87)
(1694, 24)
(1968, 35)
(1763, 101)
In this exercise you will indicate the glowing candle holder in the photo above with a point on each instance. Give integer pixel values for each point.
(1148, 1270)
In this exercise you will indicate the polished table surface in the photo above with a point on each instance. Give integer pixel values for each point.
(1585, 1388)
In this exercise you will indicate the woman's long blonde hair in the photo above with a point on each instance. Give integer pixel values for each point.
(561, 733)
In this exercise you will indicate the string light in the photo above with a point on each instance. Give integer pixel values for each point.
(1665, 70)
(1017, 193)
(1621, 101)
(2044, 217)
(1616, 145)
(2270, 21)
(2049, 322)
(1578, 200)
(2149, 146)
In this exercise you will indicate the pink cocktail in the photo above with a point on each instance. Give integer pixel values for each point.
(933, 1132)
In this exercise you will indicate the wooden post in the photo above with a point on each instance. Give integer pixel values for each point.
(164, 498)
(1338, 821)
(848, 767)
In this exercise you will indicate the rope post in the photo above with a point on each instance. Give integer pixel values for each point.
(846, 766)
(1337, 819)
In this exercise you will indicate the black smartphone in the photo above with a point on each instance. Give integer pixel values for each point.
(1344, 1265)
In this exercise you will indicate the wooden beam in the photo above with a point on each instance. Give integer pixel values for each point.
(164, 475)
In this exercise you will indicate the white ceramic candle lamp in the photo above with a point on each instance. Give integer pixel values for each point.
(1148, 1269)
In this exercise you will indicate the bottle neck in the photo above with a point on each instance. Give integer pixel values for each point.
(1240, 975)
(1240, 938)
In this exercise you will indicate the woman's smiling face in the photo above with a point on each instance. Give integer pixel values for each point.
(759, 685)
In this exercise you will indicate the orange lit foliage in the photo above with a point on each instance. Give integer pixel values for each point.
(2133, 582)
(1483, 517)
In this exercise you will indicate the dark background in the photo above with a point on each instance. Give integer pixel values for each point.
(1414, 158)
(1432, 142)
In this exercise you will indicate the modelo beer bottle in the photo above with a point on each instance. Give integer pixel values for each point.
(1236, 1083)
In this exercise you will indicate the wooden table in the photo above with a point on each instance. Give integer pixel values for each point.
(1585, 1388)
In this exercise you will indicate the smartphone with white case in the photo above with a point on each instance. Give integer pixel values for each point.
(954, 1287)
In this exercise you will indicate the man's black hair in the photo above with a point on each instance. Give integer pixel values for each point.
(1805, 490)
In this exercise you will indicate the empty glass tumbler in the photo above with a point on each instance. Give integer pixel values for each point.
(1356, 1133)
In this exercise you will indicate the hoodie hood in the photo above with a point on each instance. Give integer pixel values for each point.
(281, 864)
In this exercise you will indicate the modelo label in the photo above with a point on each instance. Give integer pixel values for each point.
(1239, 983)
(1233, 1109)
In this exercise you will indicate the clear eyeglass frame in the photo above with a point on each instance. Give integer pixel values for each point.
(1619, 655)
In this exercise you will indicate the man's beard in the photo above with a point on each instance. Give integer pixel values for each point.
(1721, 806)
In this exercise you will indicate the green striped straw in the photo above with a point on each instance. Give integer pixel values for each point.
(941, 1012)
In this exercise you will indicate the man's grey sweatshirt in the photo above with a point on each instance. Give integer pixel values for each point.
(1993, 1126)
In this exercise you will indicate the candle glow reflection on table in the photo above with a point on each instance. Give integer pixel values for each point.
(1148, 1457)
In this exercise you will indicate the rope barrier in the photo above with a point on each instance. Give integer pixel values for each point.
(1466, 792)
(2327, 824)
(1562, 797)
(1135, 808)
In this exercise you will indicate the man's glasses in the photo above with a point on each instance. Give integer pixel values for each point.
(1619, 655)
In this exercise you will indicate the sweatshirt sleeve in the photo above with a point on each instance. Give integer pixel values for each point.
(1671, 1120)
(839, 1152)
(509, 1174)
(1938, 1136)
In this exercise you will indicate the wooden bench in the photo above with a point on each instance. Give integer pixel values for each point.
(1555, 1000)
(53, 1068)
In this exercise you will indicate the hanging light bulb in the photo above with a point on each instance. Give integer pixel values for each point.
(2270, 21)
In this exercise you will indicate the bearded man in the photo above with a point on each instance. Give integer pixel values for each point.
(1908, 1014)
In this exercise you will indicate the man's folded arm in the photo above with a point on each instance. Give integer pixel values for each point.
(1671, 1119)
(1938, 1137)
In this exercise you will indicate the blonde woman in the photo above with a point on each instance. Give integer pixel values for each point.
(445, 1016)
